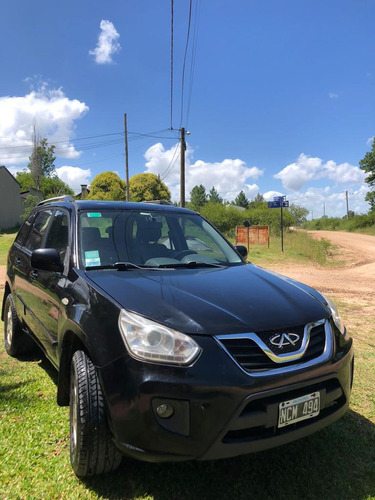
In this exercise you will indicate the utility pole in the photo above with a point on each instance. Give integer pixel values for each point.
(182, 167)
(347, 204)
(324, 209)
(126, 158)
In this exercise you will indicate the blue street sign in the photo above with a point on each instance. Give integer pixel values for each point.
(277, 203)
(277, 198)
(274, 204)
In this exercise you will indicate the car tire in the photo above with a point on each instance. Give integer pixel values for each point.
(92, 450)
(15, 340)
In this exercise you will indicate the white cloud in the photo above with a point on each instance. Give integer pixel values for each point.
(50, 111)
(332, 95)
(228, 177)
(107, 43)
(370, 140)
(306, 168)
(74, 176)
(320, 201)
(270, 195)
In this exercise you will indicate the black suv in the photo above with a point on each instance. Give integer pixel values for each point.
(168, 345)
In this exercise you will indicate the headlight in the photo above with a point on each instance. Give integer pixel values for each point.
(335, 315)
(150, 341)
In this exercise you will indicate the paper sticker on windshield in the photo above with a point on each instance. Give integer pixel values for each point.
(93, 214)
(92, 258)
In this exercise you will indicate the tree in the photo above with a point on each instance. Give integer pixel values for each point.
(258, 201)
(198, 197)
(53, 186)
(107, 186)
(29, 203)
(367, 164)
(147, 187)
(213, 196)
(298, 213)
(49, 186)
(370, 197)
(42, 160)
(241, 200)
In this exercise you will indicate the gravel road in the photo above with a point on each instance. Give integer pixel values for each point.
(354, 271)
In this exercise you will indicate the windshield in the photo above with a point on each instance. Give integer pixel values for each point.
(150, 239)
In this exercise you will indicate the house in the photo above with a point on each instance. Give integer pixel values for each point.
(85, 190)
(11, 206)
(32, 192)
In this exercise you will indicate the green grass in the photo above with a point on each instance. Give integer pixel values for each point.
(299, 246)
(6, 239)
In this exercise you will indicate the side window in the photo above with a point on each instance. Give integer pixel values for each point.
(24, 231)
(36, 235)
(58, 233)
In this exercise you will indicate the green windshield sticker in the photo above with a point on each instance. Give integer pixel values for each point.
(94, 214)
(92, 258)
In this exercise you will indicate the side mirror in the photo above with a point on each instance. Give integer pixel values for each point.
(46, 259)
(242, 250)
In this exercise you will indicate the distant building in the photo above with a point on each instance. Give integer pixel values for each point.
(11, 206)
(32, 192)
(85, 190)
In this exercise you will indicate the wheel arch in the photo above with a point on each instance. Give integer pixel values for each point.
(7, 291)
(71, 343)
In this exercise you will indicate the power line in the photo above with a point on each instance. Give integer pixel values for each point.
(193, 56)
(172, 20)
(171, 163)
(184, 63)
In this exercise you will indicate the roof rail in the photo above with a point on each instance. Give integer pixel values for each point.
(65, 197)
(159, 202)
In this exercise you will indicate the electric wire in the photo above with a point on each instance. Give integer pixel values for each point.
(172, 36)
(184, 63)
(166, 172)
(193, 58)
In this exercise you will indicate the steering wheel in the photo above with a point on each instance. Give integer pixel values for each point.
(182, 253)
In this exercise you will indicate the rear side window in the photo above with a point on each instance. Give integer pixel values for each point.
(24, 231)
(38, 231)
(58, 233)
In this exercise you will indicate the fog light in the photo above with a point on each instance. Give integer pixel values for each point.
(165, 410)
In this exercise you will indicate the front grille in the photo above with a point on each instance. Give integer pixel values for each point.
(249, 355)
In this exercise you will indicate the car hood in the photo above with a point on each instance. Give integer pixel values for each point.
(213, 301)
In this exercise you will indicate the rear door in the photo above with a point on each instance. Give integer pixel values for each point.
(46, 287)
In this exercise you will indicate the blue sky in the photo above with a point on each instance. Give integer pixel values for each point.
(278, 96)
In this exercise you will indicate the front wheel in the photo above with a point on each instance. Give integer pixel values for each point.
(92, 450)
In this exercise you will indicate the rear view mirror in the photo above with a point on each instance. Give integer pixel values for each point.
(242, 250)
(46, 259)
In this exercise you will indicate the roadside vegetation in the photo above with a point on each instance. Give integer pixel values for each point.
(355, 223)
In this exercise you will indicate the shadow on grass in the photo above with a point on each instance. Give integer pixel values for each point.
(338, 463)
(36, 354)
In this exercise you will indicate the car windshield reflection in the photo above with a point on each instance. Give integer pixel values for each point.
(151, 240)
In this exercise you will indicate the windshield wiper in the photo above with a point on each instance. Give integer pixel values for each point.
(121, 266)
(192, 264)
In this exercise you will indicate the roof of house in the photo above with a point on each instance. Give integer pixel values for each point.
(11, 175)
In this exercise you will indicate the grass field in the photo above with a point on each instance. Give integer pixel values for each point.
(336, 463)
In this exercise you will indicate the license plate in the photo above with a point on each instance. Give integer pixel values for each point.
(298, 409)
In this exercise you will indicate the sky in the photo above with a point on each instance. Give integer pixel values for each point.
(278, 96)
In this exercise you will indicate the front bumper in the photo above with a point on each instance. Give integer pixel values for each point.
(219, 411)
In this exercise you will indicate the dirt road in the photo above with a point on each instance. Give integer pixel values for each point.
(354, 271)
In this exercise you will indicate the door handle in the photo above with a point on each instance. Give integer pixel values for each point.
(34, 274)
(18, 260)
